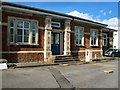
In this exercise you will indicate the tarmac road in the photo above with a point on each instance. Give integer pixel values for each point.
(78, 76)
(92, 75)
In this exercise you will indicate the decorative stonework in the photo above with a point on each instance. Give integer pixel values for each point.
(67, 38)
(47, 38)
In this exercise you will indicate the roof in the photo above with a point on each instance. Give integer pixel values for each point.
(51, 12)
(110, 29)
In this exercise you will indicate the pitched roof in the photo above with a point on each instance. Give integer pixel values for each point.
(51, 12)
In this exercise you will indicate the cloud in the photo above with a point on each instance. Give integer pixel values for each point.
(104, 13)
(101, 11)
(112, 22)
(81, 15)
(110, 12)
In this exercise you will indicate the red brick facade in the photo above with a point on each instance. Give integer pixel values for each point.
(35, 53)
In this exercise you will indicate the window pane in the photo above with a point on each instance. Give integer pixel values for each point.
(94, 33)
(11, 23)
(20, 24)
(26, 32)
(26, 24)
(94, 40)
(33, 25)
(11, 31)
(11, 38)
(33, 39)
(76, 31)
(33, 33)
(26, 39)
(19, 38)
(19, 32)
(56, 38)
(104, 42)
(80, 39)
(76, 39)
(80, 31)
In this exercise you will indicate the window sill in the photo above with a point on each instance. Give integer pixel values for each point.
(79, 45)
(94, 45)
(24, 44)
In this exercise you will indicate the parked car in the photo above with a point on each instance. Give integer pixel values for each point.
(112, 53)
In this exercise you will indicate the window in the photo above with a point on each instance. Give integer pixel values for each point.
(79, 35)
(33, 32)
(11, 30)
(56, 24)
(104, 39)
(94, 37)
(22, 28)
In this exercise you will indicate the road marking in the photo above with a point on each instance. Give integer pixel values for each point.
(108, 71)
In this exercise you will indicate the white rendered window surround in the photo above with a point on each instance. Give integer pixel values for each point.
(104, 39)
(25, 31)
(93, 37)
(79, 36)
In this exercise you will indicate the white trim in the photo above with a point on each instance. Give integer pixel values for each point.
(87, 33)
(32, 11)
(23, 52)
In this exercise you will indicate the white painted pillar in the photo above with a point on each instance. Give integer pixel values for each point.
(47, 38)
(101, 41)
(67, 38)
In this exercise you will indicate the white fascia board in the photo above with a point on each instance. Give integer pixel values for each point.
(89, 22)
(36, 12)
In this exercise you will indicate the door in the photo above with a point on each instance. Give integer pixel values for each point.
(55, 43)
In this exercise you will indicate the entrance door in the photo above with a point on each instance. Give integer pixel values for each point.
(55, 43)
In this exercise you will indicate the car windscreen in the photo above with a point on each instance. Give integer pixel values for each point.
(109, 50)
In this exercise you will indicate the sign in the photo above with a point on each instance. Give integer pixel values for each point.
(3, 66)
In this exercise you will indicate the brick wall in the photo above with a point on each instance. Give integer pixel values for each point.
(23, 57)
(80, 50)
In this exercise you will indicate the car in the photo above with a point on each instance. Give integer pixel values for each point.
(112, 53)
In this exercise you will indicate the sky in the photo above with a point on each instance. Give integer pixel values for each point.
(103, 12)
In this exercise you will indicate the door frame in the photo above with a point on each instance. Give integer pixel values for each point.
(61, 40)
